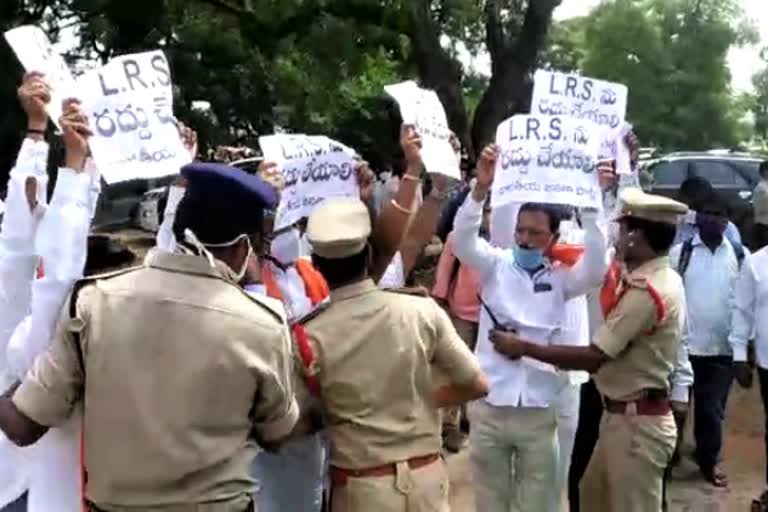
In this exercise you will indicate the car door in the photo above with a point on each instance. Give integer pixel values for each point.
(668, 175)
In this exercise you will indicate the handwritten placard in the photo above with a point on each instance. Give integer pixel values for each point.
(35, 52)
(422, 109)
(129, 102)
(547, 159)
(603, 103)
(314, 168)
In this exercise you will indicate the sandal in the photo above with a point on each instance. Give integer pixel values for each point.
(716, 477)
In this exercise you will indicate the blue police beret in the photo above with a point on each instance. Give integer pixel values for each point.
(222, 202)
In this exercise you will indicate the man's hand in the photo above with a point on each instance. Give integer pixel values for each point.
(507, 343)
(269, 172)
(633, 145)
(606, 171)
(411, 144)
(75, 132)
(679, 408)
(486, 171)
(34, 95)
(30, 191)
(189, 139)
(744, 374)
(366, 179)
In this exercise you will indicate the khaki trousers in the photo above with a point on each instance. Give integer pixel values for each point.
(468, 332)
(410, 490)
(627, 467)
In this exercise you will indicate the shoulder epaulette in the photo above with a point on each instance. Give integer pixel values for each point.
(637, 282)
(274, 306)
(416, 291)
(323, 306)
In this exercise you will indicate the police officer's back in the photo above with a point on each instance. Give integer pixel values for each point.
(173, 362)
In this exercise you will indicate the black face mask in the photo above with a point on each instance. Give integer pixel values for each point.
(711, 229)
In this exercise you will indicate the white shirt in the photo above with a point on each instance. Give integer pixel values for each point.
(511, 294)
(166, 240)
(294, 291)
(394, 275)
(709, 285)
(17, 271)
(750, 312)
(61, 242)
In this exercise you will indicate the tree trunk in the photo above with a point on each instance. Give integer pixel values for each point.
(510, 87)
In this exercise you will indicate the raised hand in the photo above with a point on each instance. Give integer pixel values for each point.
(75, 132)
(366, 179)
(189, 139)
(486, 171)
(269, 172)
(411, 144)
(34, 96)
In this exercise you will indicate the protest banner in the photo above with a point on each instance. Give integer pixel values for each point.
(35, 52)
(129, 102)
(603, 103)
(422, 109)
(547, 159)
(314, 168)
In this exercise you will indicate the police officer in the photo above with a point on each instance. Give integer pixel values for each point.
(173, 363)
(369, 361)
(632, 355)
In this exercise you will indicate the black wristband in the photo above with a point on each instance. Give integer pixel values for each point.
(35, 131)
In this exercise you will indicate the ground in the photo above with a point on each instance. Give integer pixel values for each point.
(744, 462)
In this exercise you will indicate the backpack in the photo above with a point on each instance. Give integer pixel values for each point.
(687, 251)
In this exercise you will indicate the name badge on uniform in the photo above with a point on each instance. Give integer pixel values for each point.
(542, 287)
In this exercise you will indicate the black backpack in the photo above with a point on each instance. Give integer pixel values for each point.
(687, 251)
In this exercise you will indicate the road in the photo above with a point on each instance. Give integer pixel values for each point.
(744, 462)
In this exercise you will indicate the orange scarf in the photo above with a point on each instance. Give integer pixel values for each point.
(568, 255)
(317, 288)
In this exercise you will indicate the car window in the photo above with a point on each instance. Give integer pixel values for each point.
(716, 172)
(749, 170)
(670, 174)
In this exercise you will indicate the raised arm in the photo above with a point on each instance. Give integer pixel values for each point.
(468, 246)
(588, 273)
(61, 243)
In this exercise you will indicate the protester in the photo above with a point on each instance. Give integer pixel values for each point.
(760, 208)
(709, 269)
(633, 355)
(523, 291)
(695, 192)
(750, 321)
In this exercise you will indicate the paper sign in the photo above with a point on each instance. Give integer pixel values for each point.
(547, 159)
(129, 103)
(603, 103)
(314, 168)
(422, 109)
(35, 52)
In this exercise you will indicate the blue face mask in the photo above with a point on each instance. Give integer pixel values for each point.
(528, 259)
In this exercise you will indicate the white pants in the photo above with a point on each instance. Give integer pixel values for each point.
(567, 410)
(514, 455)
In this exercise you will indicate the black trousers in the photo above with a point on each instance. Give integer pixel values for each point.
(763, 376)
(760, 236)
(712, 379)
(587, 432)
(19, 505)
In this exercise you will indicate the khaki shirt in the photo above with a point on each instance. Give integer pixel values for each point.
(180, 364)
(375, 355)
(641, 346)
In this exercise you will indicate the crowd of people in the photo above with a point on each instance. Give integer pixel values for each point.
(240, 367)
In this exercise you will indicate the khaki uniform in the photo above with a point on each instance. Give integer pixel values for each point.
(375, 352)
(641, 335)
(180, 364)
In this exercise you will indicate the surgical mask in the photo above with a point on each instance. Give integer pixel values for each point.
(528, 259)
(286, 247)
(191, 239)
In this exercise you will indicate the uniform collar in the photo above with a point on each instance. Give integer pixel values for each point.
(353, 290)
(189, 264)
(649, 267)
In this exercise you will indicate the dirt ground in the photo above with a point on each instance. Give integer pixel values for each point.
(743, 458)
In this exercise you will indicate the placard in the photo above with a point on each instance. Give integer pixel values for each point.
(603, 103)
(129, 102)
(423, 109)
(35, 52)
(314, 168)
(547, 159)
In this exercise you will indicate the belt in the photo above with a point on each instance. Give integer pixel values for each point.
(646, 406)
(340, 476)
(90, 507)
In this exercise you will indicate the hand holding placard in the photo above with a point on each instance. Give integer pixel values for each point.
(75, 132)
(486, 171)
(34, 96)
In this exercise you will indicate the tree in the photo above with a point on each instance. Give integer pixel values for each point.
(760, 99)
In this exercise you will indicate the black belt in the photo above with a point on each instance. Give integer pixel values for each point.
(93, 508)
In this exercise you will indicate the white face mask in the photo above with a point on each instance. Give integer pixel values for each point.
(286, 247)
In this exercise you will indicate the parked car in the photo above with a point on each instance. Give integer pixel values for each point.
(733, 175)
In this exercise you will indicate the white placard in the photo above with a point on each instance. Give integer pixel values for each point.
(422, 109)
(314, 168)
(547, 159)
(35, 52)
(129, 102)
(603, 103)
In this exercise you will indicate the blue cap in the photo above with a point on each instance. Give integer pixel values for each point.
(222, 202)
